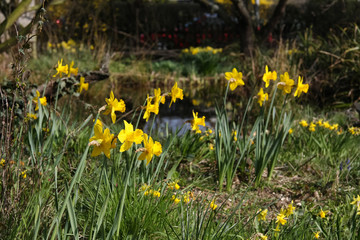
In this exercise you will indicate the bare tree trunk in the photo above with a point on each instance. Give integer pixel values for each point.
(275, 18)
(248, 36)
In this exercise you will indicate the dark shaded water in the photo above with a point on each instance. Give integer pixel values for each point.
(199, 95)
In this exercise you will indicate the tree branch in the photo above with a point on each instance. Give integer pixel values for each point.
(11, 19)
(12, 41)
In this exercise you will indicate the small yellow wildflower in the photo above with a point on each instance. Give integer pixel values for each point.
(354, 131)
(303, 123)
(23, 174)
(277, 230)
(326, 125)
(2, 162)
(291, 131)
(144, 187)
(187, 197)
(174, 185)
(61, 69)
(234, 133)
(213, 206)
(262, 214)
(320, 122)
(211, 146)
(36, 100)
(83, 85)
(269, 76)
(262, 236)
(113, 106)
(150, 149)
(176, 93)
(356, 201)
(289, 209)
(334, 126)
(156, 194)
(235, 79)
(312, 127)
(317, 235)
(262, 97)
(301, 87)
(175, 199)
(31, 115)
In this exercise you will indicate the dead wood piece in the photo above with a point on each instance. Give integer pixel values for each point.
(52, 86)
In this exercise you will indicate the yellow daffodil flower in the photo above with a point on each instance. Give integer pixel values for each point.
(23, 174)
(175, 199)
(83, 85)
(262, 214)
(176, 93)
(197, 122)
(280, 218)
(312, 127)
(234, 133)
(186, 198)
(326, 125)
(150, 108)
(235, 79)
(269, 76)
(356, 201)
(31, 115)
(173, 185)
(320, 122)
(286, 83)
(157, 96)
(334, 126)
(61, 69)
(72, 70)
(322, 213)
(303, 123)
(128, 136)
(36, 100)
(213, 206)
(156, 194)
(263, 237)
(262, 97)
(211, 146)
(113, 106)
(144, 187)
(102, 141)
(354, 131)
(150, 149)
(289, 209)
(301, 87)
